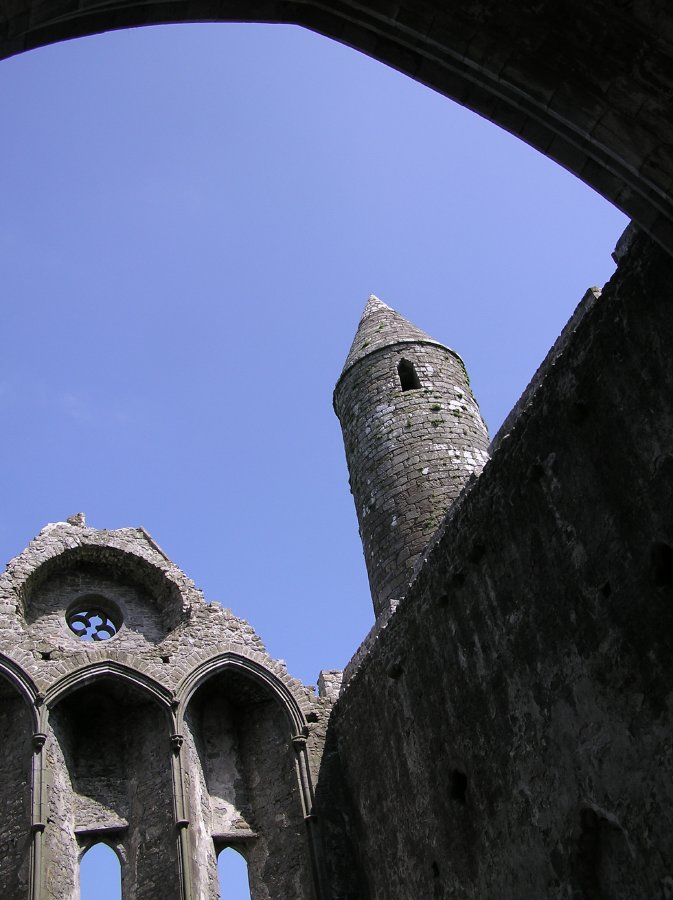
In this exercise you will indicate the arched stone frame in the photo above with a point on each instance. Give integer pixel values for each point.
(25, 686)
(164, 699)
(171, 592)
(292, 709)
(117, 848)
(586, 84)
(234, 849)
(79, 677)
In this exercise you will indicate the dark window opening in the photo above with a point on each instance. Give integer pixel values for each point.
(662, 563)
(408, 377)
(458, 787)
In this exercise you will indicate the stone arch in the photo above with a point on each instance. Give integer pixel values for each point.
(116, 848)
(76, 679)
(109, 758)
(244, 748)
(106, 563)
(234, 861)
(254, 670)
(586, 83)
(23, 684)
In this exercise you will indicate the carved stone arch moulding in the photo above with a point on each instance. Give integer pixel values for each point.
(254, 670)
(122, 555)
(116, 846)
(25, 686)
(587, 82)
(110, 669)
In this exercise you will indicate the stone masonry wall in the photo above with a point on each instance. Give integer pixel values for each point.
(275, 867)
(16, 736)
(509, 733)
(409, 454)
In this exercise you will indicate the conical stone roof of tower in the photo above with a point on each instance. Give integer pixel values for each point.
(381, 326)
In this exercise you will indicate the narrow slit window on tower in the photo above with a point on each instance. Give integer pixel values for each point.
(232, 871)
(408, 377)
(100, 874)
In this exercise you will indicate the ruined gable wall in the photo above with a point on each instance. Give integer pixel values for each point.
(509, 733)
(110, 757)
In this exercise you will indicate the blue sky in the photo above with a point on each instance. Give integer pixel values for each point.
(191, 221)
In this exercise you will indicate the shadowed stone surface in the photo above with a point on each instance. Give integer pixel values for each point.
(508, 734)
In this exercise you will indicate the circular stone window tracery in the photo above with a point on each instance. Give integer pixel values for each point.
(93, 618)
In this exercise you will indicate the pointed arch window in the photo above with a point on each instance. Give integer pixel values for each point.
(100, 874)
(408, 375)
(232, 872)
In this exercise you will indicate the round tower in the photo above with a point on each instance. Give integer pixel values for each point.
(413, 436)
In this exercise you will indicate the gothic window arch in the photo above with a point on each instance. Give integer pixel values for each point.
(100, 873)
(232, 873)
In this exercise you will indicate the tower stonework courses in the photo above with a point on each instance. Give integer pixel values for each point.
(413, 436)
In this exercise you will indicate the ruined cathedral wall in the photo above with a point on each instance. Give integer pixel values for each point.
(509, 733)
(108, 739)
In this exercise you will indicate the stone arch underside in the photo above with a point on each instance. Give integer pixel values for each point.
(150, 592)
(589, 83)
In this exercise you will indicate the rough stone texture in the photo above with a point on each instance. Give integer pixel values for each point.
(115, 750)
(329, 683)
(587, 82)
(15, 774)
(409, 450)
(172, 739)
(248, 784)
(509, 733)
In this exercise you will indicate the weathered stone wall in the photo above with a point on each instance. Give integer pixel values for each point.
(48, 605)
(151, 868)
(409, 452)
(15, 770)
(60, 873)
(509, 733)
(276, 869)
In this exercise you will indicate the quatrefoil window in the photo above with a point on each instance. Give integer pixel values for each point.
(93, 618)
